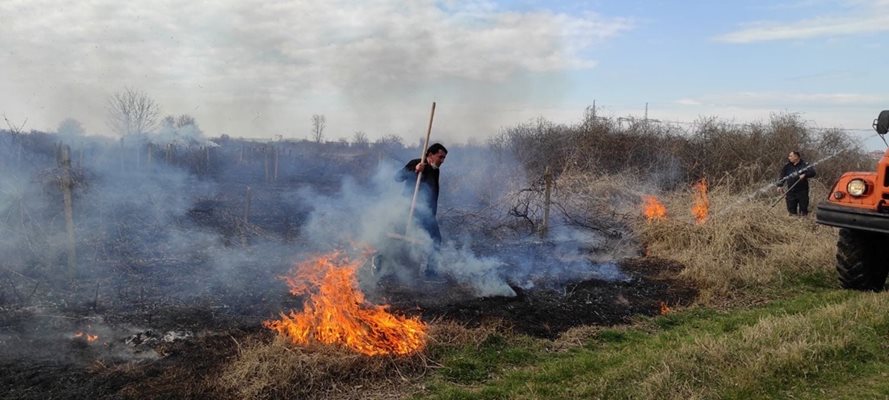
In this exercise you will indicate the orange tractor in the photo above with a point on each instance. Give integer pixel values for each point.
(859, 206)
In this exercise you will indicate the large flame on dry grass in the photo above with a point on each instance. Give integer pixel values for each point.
(701, 207)
(653, 209)
(337, 313)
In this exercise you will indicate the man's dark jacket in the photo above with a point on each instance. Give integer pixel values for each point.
(428, 194)
(790, 175)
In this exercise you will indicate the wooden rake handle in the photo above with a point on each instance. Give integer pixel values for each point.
(410, 215)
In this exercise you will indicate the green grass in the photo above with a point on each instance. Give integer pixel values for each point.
(815, 344)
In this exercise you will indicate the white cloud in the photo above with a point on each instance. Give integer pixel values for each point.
(864, 17)
(267, 56)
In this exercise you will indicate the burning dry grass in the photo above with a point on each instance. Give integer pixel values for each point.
(742, 244)
(337, 313)
(279, 369)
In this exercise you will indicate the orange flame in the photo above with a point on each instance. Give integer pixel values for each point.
(653, 209)
(88, 337)
(337, 313)
(701, 207)
(665, 308)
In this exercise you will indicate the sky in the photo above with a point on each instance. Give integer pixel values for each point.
(260, 69)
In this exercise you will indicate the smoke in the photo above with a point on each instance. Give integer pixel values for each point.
(185, 135)
(356, 213)
(474, 201)
(208, 232)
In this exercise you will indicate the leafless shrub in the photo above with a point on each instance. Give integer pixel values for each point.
(15, 129)
(600, 203)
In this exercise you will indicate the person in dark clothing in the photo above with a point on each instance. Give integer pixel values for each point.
(427, 197)
(795, 176)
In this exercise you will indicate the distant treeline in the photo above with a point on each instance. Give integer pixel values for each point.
(724, 152)
(737, 154)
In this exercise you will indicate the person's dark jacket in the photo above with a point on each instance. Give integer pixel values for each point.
(790, 175)
(428, 194)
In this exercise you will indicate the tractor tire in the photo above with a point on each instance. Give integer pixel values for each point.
(861, 262)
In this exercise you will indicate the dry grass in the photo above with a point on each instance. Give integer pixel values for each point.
(451, 334)
(576, 337)
(278, 369)
(745, 243)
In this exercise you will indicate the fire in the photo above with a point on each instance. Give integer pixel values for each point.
(88, 337)
(701, 207)
(653, 209)
(337, 313)
(665, 308)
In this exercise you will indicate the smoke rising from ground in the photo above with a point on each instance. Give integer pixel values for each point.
(214, 226)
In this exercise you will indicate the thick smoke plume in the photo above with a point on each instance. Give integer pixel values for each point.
(186, 224)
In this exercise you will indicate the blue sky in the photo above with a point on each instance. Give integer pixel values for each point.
(260, 69)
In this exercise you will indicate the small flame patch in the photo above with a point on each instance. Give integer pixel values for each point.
(653, 209)
(86, 336)
(701, 207)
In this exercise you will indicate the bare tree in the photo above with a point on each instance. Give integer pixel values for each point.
(15, 129)
(360, 139)
(390, 141)
(70, 126)
(169, 122)
(181, 121)
(131, 112)
(318, 124)
(185, 120)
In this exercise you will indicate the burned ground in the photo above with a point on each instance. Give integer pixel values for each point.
(649, 284)
(174, 277)
(209, 334)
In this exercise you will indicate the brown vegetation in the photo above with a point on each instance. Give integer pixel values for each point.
(277, 369)
(670, 157)
(745, 243)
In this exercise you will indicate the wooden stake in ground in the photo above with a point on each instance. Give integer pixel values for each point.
(275, 155)
(66, 185)
(243, 231)
(266, 163)
(548, 179)
(247, 206)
